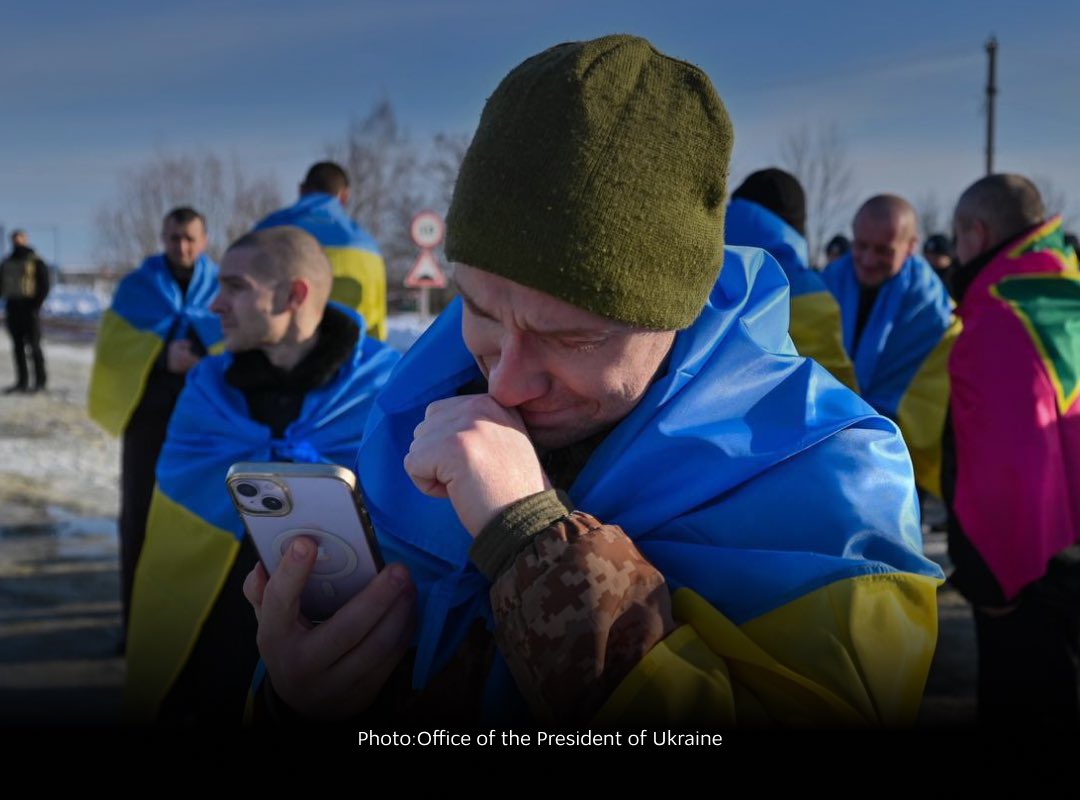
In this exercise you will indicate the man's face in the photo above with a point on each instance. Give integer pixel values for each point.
(251, 309)
(971, 237)
(879, 247)
(568, 372)
(184, 242)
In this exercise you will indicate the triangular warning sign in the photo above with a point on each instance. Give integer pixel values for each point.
(425, 273)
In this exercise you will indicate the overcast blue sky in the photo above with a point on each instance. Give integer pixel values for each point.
(89, 89)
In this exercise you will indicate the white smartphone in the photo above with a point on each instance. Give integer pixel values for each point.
(280, 501)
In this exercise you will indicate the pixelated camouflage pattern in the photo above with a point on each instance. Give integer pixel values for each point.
(575, 613)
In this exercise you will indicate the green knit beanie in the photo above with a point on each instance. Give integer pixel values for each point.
(597, 175)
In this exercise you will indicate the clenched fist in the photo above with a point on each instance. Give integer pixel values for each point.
(477, 453)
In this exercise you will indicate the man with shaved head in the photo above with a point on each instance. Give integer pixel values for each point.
(897, 327)
(295, 384)
(1012, 451)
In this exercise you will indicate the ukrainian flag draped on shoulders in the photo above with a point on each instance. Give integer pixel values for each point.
(359, 270)
(193, 530)
(148, 310)
(779, 507)
(815, 316)
(1016, 407)
(901, 357)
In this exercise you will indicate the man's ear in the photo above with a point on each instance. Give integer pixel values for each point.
(344, 196)
(298, 293)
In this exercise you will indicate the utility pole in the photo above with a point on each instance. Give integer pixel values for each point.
(991, 93)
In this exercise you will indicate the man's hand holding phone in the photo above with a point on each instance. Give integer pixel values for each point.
(333, 670)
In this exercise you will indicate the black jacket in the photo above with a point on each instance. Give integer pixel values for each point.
(34, 284)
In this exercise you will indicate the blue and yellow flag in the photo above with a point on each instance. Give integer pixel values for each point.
(815, 316)
(193, 532)
(359, 270)
(147, 310)
(901, 361)
(784, 518)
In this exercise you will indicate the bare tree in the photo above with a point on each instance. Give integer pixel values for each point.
(393, 177)
(819, 159)
(933, 218)
(129, 226)
(382, 163)
(449, 152)
(252, 199)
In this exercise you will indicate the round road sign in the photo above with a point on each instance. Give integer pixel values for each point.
(427, 229)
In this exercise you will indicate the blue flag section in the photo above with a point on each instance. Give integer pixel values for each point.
(815, 315)
(911, 314)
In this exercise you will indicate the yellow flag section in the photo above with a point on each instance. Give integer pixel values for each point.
(360, 284)
(197, 556)
(815, 330)
(147, 310)
(123, 358)
(863, 650)
(922, 410)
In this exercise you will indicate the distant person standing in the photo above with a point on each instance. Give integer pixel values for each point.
(158, 327)
(359, 269)
(24, 284)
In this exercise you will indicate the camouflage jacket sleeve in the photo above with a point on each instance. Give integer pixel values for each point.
(576, 605)
(592, 634)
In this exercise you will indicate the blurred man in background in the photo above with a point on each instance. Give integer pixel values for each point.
(768, 210)
(1012, 452)
(359, 271)
(898, 327)
(24, 284)
(157, 328)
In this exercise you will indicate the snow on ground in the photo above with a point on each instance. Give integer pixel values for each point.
(73, 302)
(51, 454)
(404, 329)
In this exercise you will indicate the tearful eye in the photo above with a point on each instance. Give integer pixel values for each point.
(581, 346)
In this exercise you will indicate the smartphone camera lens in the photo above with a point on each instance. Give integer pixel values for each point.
(272, 503)
(246, 489)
